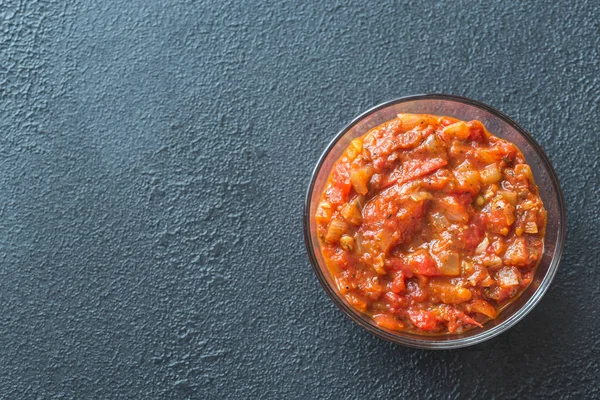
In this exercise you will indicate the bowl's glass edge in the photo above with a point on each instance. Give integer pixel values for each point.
(446, 344)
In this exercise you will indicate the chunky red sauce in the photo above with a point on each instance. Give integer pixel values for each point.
(430, 224)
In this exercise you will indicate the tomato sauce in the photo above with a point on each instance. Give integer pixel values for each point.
(431, 225)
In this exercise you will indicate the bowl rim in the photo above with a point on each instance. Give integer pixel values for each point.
(447, 343)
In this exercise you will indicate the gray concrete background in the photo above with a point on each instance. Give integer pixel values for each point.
(153, 162)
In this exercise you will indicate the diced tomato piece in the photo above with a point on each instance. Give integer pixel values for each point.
(464, 198)
(341, 178)
(394, 301)
(417, 168)
(508, 151)
(371, 287)
(476, 131)
(408, 219)
(471, 237)
(416, 292)
(499, 215)
(398, 284)
(501, 293)
(421, 263)
(333, 194)
(396, 264)
(413, 169)
(423, 319)
(341, 258)
(454, 209)
(526, 278)
(437, 181)
(452, 314)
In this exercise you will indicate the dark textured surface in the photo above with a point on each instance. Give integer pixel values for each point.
(153, 163)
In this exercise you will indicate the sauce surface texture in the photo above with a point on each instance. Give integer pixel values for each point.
(431, 225)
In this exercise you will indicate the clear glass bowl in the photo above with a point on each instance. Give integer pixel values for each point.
(498, 124)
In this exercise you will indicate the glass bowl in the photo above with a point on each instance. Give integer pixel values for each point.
(498, 124)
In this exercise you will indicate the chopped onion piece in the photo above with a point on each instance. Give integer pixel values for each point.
(467, 267)
(495, 262)
(323, 213)
(418, 196)
(360, 178)
(351, 213)
(357, 144)
(448, 263)
(378, 265)
(456, 215)
(344, 284)
(516, 254)
(325, 204)
(467, 177)
(360, 201)
(483, 307)
(434, 145)
(509, 196)
(354, 149)
(358, 243)
(351, 153)
(507, 277)
(492, 262)
(499, 246)
(482, 246)
(385, 239)
(531, 227)
(490, 192)
(509, 213)
(459, 130)
(410, 121)
(440, 222)
(337, 227)
(358, 303)
(490, 174)
(487, 156)
(524, 170)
